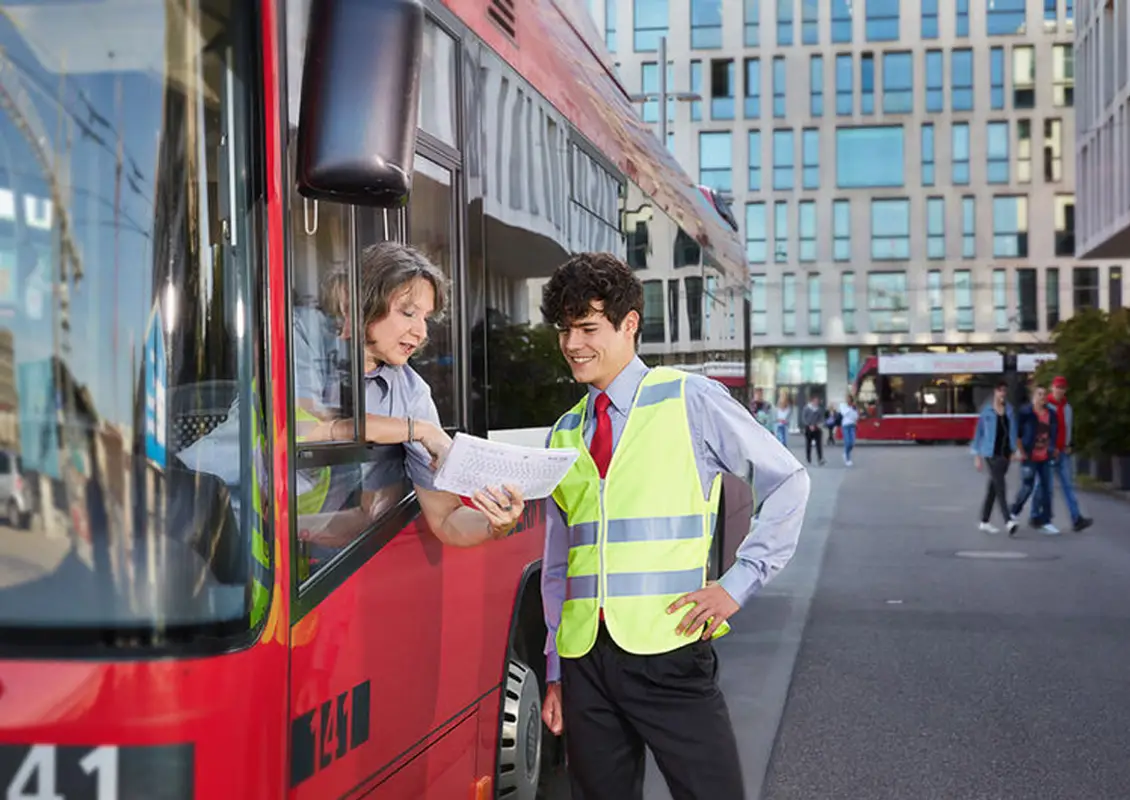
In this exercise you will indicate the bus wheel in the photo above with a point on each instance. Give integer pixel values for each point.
(519, 745)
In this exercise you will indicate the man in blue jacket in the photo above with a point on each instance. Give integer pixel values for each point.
(992, 445)
(1037, 430)
(1062, 466)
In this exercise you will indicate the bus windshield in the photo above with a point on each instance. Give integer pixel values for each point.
(130, 478)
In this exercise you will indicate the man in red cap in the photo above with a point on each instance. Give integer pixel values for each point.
(1062, 466)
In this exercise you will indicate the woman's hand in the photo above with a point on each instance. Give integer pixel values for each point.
(434, 439)
(502, 508)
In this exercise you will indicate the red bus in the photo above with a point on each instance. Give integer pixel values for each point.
(932, 397)
(176, 181)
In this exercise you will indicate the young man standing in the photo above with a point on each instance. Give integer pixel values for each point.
(1035, 444)
(812, 418)
(992, 443)
(629, 611)
(1062, 467)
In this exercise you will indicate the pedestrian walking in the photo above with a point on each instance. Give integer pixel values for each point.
(1035, 444)
(992, 447)
(628, 608)
(1063, 466)
(849, 419)
(831, 422)
(784, 414)
(811, 419)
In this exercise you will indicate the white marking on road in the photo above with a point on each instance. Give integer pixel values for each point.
(894, 602)
(991, 554)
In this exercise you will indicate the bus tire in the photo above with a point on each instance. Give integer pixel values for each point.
(520, 736)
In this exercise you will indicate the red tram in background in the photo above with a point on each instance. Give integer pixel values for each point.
(176, 181)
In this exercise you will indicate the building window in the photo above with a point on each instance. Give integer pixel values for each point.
(756, 239)
(996, 152)
(706, 24)
(968, 227)
(784, 150)
(610, 25)
(1023, 77)
(996, 78)
(758, 305)
(963, 300)
(1085, 288)
(673, 309)
(649, 84)
(715, 156)
(1051, 296)
(959, 153)
(1069, 14)
(869, 157)
(1065, 225)
(1010, 227)
(882, 24)
(841, 230)
(1000, 299)
(788, 303)
(1050, 21)
(1023, 151)
(935, 227)
(649, 20)
(841, 21)
(721, 88)
(886, 302)
(935, 298)
(961, 80)
(890, 229)
(807, 218)
(847, 299)
(694, 307)
(929, 19)
(844, 86)
(1114, 286)
(781, 232)
(755, 161)
(1053, 150)
(810, 158)
(652, 328)
(779, 84)
(813, 304)
(867, 84)
(696, 87)
(898, 83)
(752, 23)
(961, 18)
(810, 21)
(935, 81)
(1005, 17)
(816, 86)
(753, 88)
(928, 154)
(784, 23)
(1028, 318)
(1063, 75)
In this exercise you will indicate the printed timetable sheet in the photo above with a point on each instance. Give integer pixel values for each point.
(472, 464)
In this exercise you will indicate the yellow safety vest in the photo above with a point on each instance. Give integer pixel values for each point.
(641, 537)
(261, 577)
(312, 499)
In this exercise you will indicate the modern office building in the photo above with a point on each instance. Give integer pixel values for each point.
(1102, 140)
(903, 172)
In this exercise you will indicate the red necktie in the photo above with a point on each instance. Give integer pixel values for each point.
(601, 446)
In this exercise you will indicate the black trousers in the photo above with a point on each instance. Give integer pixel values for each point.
(996, 490)
(811, 437)
(615, 703)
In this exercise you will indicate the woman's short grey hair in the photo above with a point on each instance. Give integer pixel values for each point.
(386, 269)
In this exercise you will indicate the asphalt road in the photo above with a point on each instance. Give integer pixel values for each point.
(905, 655)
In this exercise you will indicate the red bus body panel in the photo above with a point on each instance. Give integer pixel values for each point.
(918, 428)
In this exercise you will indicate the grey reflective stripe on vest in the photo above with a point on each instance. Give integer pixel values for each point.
(583, 533)
(658, 392)
(654, 529)
(635, 584)
(569, 422)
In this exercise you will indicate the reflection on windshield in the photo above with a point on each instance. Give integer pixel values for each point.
(124, 319)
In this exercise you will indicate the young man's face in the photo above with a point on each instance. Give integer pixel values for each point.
(595, 349)
(1002, 393)
(1058, 393)
(1039, 396)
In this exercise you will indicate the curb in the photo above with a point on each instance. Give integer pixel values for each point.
(1085, 483)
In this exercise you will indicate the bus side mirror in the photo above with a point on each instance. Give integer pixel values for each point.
(360, 98)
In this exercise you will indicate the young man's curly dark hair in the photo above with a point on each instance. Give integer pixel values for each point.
(586, 277)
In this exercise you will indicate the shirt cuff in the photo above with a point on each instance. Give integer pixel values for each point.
(741, 582)
(552, 667)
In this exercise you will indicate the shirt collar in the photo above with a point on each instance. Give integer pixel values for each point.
(622, 390)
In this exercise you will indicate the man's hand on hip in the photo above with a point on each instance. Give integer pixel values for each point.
(712, 605)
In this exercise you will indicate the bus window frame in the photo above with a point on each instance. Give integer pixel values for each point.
(308, 594)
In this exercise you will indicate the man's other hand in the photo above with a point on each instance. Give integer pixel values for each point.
(551, 709)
